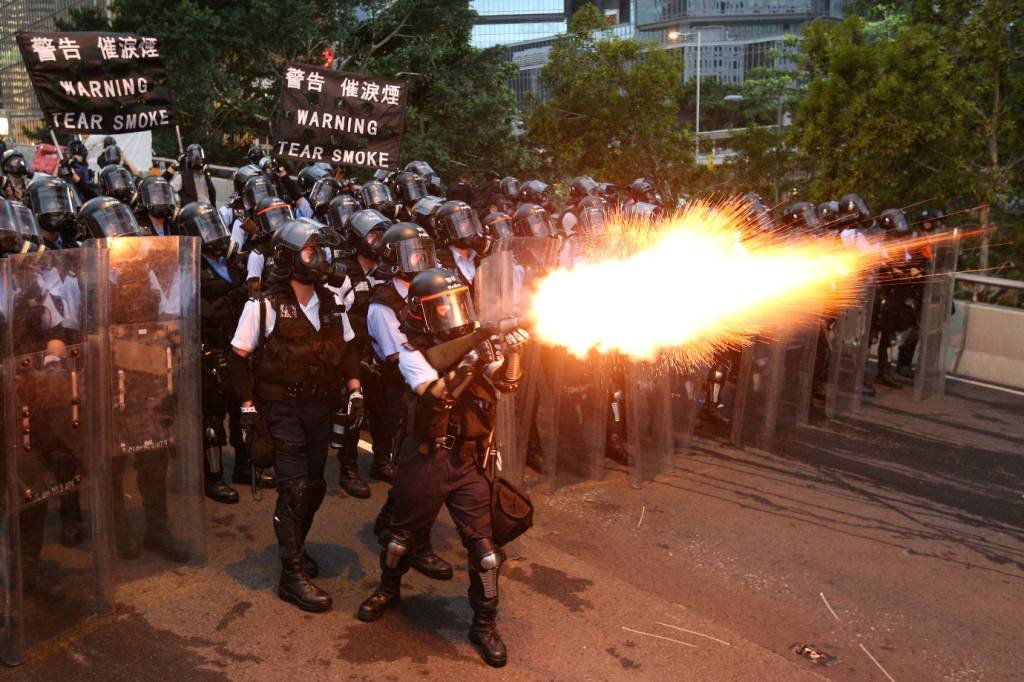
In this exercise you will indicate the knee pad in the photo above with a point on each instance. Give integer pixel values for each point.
(485, 558)
(397, 544)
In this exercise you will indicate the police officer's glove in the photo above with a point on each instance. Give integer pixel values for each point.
(512, 367)
(355, 409)
(64, 171)
(247, 423)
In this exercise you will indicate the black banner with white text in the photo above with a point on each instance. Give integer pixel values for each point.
(98, 82)
(342, 118)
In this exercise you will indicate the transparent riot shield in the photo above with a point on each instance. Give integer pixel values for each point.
(55, 568)
(755, 400)
(687, 390)
(494, 291)
(152, 428)
(849, 342)
(936, 308)
(797, 353)
(572, 400)
(649, 425)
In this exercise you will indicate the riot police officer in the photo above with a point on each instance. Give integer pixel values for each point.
(75, 169)
(303, 368)
(378, 196)
(196, 184)
(155, 203)
(55, 205)
(14, 175)
(433, 180)
(411, 188)
(116, 181)
(222, 296)
(900, 301)
(460, 231)
(440, 459)
(929, 220)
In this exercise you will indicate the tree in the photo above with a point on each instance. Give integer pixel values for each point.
(612, 108)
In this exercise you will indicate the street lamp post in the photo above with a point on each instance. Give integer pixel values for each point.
(676, 35)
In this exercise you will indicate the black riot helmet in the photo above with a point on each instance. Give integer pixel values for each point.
(271, 214)
(531, 220)
(255, 152)
(195, 157)
(299, 254)
(16, 215)
(256, 189)
(853, 210)
(117, 181)
(109, 141)
(404, 250)
(411, 187)
(609, 192)
(12, 239)
(308, 176)
(342, 206)
(365, 229)
(240, 176)
(77, 150)
(931, 219)
(755, 213)
(590, 216)
(110, 155)
(642, 190)
(458, 225)
(423, 169)
(377, 195)
(894, 224)
(14, 163)
(498, 225)
(106, 218)
(536, 192)
(424, 213)
(55, 204)
(202, 220)
(510, 189)
(828, 213)
(441, 304)
(801, 216)
(581, 186)
(156, 196)
(321, 194)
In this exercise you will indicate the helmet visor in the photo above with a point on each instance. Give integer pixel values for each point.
(210, 226)
(465, 223)
(24, 220)
(500, 227)
(376, 194)
(412, 189)
(53, 199)
(273, 217)
(448, 310)
(416, 255)
(323, 191)
(537, 225)
(256, 189)
(157, 194)
(11, 237)
(115, 220)
(591, 220)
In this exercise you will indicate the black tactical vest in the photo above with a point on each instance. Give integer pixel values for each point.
(296, 359)
(362, 290)
(220, 305)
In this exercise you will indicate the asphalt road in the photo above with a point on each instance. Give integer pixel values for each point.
(890, 544)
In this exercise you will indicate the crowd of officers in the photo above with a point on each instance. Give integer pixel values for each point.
(320, 299)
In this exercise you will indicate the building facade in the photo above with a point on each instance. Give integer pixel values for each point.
(17, 101)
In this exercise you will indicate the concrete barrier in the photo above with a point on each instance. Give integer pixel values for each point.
(987, 344)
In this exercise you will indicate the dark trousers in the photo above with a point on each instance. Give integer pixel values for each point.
(301, 430)
(426, 482)
(387, 402)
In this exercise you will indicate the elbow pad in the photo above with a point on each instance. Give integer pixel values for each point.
(240, 374)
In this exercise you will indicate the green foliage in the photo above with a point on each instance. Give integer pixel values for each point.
(226, 60)
(613, 109)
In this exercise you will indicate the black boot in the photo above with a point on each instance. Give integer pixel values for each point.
(382, 468)
(348, 475)
(318, 490)
(213, 477)
(426, 562)
(71, 532)
(158, 538)
(483, 597)
(293, 515)
(388, 593)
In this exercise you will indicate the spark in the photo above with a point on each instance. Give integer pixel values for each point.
(699, 281)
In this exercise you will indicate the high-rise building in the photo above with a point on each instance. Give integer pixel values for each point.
(736, 36)
(17, 101)
(504, 22)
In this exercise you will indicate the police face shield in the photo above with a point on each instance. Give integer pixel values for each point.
(27, 226)
(321, 194)
(448, 313)
(499, 227)
(54, 205)
(465, 227)
(115, 220)
(110, 155)
(158, 198)
(212, 231)
(895, 225)
(257, 189)
(378, 196)
(117, 182)
(537, 225)
(338, 214)
(273, 217)
(412, 188)
(15, 165)
(416, 255)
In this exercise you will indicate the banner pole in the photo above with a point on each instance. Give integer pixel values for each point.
(181, 147)
(53, 136)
